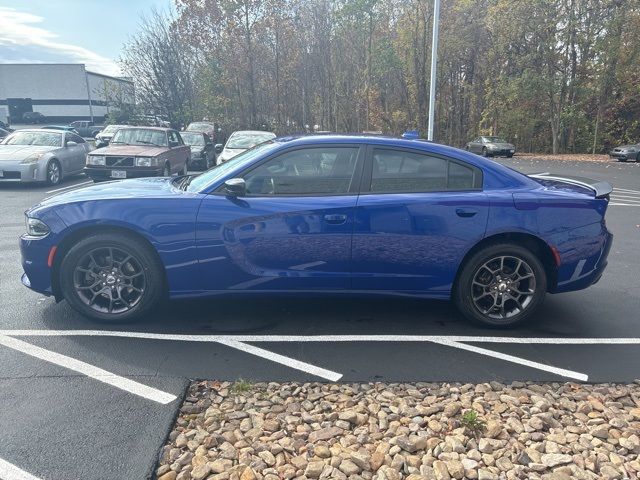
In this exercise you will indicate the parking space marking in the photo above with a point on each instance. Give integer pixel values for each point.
(9, 471)
(89, 370)
(70, 186)
(287, 361)
(241, 342)
(513, 359)
(624, 197)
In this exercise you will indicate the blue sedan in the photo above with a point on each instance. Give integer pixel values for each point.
(330, 214)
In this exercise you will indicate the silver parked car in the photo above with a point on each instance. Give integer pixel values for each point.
(240, 141)
(37, 155)
(491, 147)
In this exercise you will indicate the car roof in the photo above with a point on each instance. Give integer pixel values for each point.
(252, 132)
(46, 130)
(160, 129)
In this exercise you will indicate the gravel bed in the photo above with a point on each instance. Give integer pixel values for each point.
(442, 431)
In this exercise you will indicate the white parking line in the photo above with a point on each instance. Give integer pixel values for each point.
(513, 359)
(8, 471)
(240, 342)
(617, 189)
(70, 187)
(96, 373)
(287, 361)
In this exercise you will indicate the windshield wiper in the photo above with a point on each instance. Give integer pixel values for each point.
(144, 142)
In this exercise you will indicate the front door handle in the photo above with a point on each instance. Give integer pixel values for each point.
(466, 212)
(335, 219)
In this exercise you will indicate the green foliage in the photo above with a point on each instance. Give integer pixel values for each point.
(472, 422)
(542, 73)
(241, 386)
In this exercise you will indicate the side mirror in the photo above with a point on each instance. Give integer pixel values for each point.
(71, 143)
(219, 147)
(235, 187)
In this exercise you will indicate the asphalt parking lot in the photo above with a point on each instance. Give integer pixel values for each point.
(90, 401)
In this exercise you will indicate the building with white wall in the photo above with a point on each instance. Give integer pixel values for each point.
(60, 92)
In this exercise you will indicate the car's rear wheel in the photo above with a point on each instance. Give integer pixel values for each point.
(54, 172)
(111, 277)
(501, 285)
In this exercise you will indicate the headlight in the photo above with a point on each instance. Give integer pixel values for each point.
(33, 158)
(36, 228)
(95, 160)
(146, 162)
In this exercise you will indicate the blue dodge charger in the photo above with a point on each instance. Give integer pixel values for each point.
(329, 214)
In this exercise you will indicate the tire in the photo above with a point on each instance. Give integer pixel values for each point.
(638, 157)
(166, 172)
(185, 168)
(484, 152)
(486, 298)
(54, 172)
(510, 155)
(138, 282)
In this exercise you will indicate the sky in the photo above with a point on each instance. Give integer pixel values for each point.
(70, 31)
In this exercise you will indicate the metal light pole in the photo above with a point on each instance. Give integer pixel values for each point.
(434, 62)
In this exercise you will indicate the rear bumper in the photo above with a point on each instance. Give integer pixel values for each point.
(101, 173)
(584, 256)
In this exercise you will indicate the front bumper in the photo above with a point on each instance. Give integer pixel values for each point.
(37, 274)
(622, 155)
(14, 171)
(104, 173)
(499, 152)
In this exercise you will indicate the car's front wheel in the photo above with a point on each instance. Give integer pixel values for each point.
(501, 285)
(54, 172)
(111, 277)
(166, 172)
(484, 152)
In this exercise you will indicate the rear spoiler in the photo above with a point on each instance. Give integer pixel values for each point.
(600, 189)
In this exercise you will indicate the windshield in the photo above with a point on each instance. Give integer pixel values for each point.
(43, 139)
(199, 182)
(140, 136)
(192, 138)
(199, 127)
(495, 139)
(248, 140)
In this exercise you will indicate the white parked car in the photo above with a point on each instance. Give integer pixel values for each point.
(240, 141)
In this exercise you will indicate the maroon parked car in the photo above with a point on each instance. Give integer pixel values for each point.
(140, 152)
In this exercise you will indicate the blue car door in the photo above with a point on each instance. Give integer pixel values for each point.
(417, 215)
(291, 232)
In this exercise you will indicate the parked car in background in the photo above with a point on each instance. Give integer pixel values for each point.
(104, 136)
(150, 121)
(32, 117)
(626, 153)
(204, 127)
(3, 133)
(37, 155)
(139, 152)
(491, 147)
(86, 128)
(240, 141)
(5, 126)
(203, 153)
(325, 214)
(62, 128)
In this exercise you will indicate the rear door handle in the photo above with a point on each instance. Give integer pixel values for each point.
(335, 219)
(466, 212)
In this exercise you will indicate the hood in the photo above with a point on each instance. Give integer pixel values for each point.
(20, 152)
(231, 152)
(149, 187)
(628, 147)
(130, 150)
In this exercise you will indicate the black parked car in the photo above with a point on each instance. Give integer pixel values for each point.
(32, 117)
(626, 152)
(203, 155)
